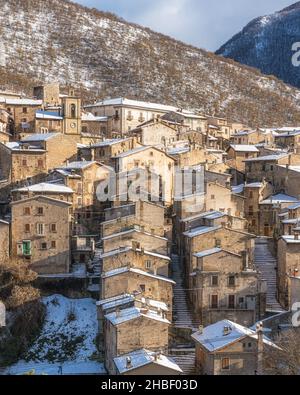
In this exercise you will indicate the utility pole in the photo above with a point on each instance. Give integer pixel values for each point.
(260, 348)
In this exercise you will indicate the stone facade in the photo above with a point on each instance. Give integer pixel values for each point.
(40, 231)
(4, 241)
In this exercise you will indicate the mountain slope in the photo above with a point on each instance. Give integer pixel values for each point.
(59, 40)
(266, 43)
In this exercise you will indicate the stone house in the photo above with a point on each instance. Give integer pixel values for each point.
(84, 179)
(290, 219)
(265, 167)
(135, 237)
(60, 148)
(247, 137)
(240, 153)
(150, 217)
(137, 258)
(22, 112)
(128, 280)
(254, 194)
(286, 178)
(187, 155)
(225, 285)
(269, 211)
(288, 254)
(49, 94)
(92, 126)
(133, 329)
(155, 132)
(206, 237)
(126, 301)
(40, 234)
(20, 163)
(48, 121)
(154, 160)
(126, 114)
(55, 191)
(146, 363)
(4, 241)
(226, 348)
(105, 150)
(290, 139)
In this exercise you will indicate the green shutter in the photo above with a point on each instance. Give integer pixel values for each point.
(27, 248)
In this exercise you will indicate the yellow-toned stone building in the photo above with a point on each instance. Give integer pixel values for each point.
(40, 231)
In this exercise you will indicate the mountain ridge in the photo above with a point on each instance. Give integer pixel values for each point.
(108, 57)
(266, 43)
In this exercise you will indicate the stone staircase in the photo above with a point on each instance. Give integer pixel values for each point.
(97, 264)
(266, 263)
(185, 358)
(183, 317)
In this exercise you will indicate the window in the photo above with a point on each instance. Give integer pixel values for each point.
(40, 211)
(40, 229)
(79, 202)
(231, 281)
(24, 120)
(212, 197)
(43, 246)
(27, 228)
(73, 110)
(251, 195)
(148, 265)
(25, 111)
(143, 287)
(231, 301)
(214, 301)
(53, 245)
(214, 281)
(40, 163)
(225, 363)
(26, 210)
(53, 228)
(24, 162)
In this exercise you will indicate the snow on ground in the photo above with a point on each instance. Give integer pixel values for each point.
(67, 343)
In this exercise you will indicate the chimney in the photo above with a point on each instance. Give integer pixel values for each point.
(226, 330)
(128, 363)
(201, 328)
(117, 312)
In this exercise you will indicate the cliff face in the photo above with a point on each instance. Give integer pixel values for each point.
(266, 43)
(56, 40)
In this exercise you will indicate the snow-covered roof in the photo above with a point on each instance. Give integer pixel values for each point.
(131, 231)
(142, 358)
(280, 198)
(201, 231)
(267, 158)
(116, 301)
(292, 168)
(39, 137)
(127, 249)
(238, 188)
(23, 102)
(205, 253)
(213, 338)
(132, 152)
(254, 185)
(121, 270)
(89, 117)
(107, 143)
(117, 318)
(294, 206)
(243, 133)
(46, 187)
(17, 146)
(244, 148)
(53, 115)
(78, 165)
(293, 133)
(206, 215)
(134, 103)
(290, 239)
(178, 150)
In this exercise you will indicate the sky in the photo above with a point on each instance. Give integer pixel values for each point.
(204, 23)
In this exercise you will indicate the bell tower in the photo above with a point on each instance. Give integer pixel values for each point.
(71, 113)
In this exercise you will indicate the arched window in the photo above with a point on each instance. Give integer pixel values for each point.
(73, 110)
